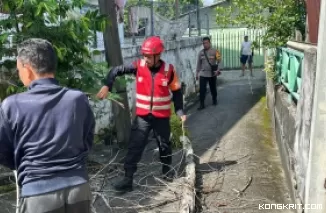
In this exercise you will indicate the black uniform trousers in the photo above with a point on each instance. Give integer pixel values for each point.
(203, 85)
(140, 129)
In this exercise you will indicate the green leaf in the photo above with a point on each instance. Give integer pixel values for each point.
(39, 9)
(28, 25)
(4, 37)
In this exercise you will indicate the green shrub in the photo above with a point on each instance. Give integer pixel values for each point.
(69, 34)
(7, 188)
(176, 130)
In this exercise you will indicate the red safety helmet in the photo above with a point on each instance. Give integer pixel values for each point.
(152, 46)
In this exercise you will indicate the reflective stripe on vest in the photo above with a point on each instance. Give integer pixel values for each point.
(155, 99)
(156, 108)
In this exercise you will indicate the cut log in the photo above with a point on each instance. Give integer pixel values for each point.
(187, 204)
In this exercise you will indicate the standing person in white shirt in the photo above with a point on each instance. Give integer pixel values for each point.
(246, 55)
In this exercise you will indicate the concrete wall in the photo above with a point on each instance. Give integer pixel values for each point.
(292, 122)
(284, 123)
(181, 53)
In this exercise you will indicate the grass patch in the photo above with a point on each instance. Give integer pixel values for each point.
(7, 188)
(176, 130)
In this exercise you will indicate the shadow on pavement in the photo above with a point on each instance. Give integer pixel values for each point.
(236, 97)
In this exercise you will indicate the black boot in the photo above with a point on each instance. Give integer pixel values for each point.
(168, 173)
(202, 106)
(215, 102)
(125, 185)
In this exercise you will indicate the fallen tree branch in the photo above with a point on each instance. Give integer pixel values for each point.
(187, 204)
(150, 206)
(139, 207)
(240, 192)
(209, 191)
(110, 99)
(247, 185)
(105, 166)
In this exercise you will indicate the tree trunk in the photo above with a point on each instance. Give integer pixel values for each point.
(177, 10)
(113, 57)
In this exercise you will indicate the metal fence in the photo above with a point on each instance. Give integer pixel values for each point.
(289, 64)
(166, 10)
(146, 17)
(228, 41)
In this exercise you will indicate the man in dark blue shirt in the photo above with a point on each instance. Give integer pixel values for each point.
(46, 134)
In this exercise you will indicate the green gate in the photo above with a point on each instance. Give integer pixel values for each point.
(289, 65)
(228, 41)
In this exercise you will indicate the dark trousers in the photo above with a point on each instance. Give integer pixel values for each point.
(202, 88)
(246, 59)
(141, 127)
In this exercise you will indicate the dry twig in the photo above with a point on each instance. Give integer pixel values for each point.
(241, 191)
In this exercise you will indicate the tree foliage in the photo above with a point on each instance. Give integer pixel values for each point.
(280, 18)
(61, 23)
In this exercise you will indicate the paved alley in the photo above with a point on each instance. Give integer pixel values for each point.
(239, 166)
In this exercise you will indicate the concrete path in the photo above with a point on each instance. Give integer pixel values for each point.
(239, 167)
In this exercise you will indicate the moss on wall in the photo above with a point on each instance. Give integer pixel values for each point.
(266, 124)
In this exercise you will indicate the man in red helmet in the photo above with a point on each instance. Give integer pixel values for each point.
(155, 79)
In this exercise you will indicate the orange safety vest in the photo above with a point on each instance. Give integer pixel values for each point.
(153, 94)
